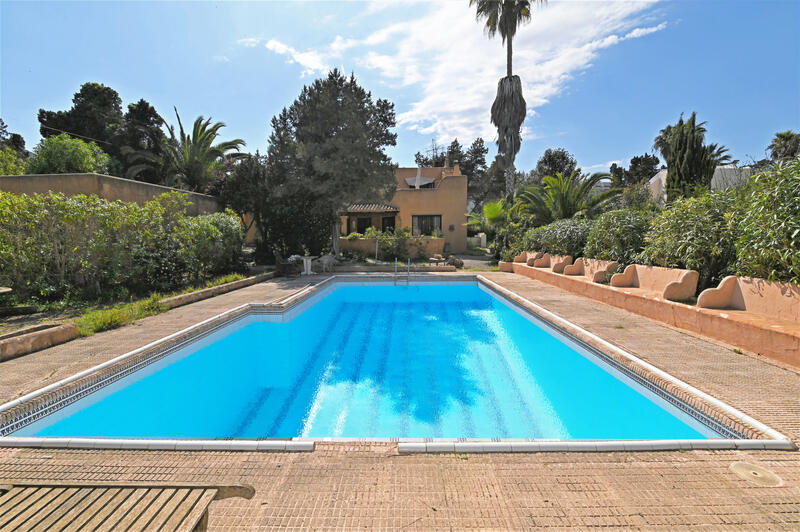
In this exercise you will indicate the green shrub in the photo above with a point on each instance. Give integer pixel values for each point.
(509, 240)
(354, 236)
(397, 245)
(11, 162)
(635, 197)
(619, 235)
(56, 247)
(562, 237)
(371, 232)
(62, 154)
(769, 243)
(697, 233)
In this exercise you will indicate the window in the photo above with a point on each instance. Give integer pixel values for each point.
(426, 224)
(387, 223)
(363, 224)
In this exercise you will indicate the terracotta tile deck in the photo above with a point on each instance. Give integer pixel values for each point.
(370, 486)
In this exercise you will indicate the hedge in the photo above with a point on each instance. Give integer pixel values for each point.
(696, 233)
(619, 235)
(54, 247)
(562, 237)
(769, 241)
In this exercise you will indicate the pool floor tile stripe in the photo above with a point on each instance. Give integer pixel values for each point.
(360, 352)
(456, 366)
(487, 385)
(315, 356)
(431, 364)
(380, 372)
(521, 401)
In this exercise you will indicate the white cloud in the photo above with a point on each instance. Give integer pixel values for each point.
(221, 59)
(311, 61)
(250, 42)
(442, 54)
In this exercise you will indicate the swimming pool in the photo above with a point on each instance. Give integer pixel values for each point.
(361, 360)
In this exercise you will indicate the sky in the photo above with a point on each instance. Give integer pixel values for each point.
(600, 78)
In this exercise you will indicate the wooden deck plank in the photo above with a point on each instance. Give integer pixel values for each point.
(182, 511)
(139, 521)
(22, 506)
(109, 508)
(55, 503)
(131, 508)
(34, 509)
(197, 513)
(64, 507)
(110, 523)
(78, 509)
(158, 520)
(13, 498)
(90, 511)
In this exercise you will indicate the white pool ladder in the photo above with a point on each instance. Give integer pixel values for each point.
(408, 273)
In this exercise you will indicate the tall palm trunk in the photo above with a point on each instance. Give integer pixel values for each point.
(508, 57)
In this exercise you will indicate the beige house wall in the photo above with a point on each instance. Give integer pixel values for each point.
(105, 186)
(448, 198)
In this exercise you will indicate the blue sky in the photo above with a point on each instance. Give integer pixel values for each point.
(600, 78)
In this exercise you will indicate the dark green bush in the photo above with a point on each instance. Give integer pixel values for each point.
(398, 245)
(619, 235)
(54, 247)
(562, 237)
(697, 233)
(769, 241)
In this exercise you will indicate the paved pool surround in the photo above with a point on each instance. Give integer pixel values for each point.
(748, 432)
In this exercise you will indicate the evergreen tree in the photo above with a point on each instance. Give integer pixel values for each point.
(141, 138)
(556, 161)
(95, 115)
(690, 162)
(328, 148)
(641, 168)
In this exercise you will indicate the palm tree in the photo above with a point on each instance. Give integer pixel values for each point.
(785, 145)
(193, 161)
(565, 196)
(493, 215)
(509, 108)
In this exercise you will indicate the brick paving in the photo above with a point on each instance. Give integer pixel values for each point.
(371, 486)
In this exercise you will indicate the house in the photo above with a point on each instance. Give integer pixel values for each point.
(725, 177)
(429, 201)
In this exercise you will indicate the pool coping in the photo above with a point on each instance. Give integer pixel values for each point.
(30, 407)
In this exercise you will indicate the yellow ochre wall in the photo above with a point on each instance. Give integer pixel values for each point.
(448, 199)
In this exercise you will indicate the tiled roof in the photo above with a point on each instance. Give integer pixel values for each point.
(372, 207)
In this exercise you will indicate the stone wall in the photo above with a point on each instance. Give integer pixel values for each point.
(105, 186)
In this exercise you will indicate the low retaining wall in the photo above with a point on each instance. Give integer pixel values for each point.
(17, 345)
(205, 293)
(390, 269)
(768, 341)
(366, 246)
(22, 344)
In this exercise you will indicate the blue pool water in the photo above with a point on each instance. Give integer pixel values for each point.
(441, 361)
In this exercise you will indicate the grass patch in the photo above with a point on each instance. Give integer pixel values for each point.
(96, 320)
(102, 319)
(738, 351)
(210, 284)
